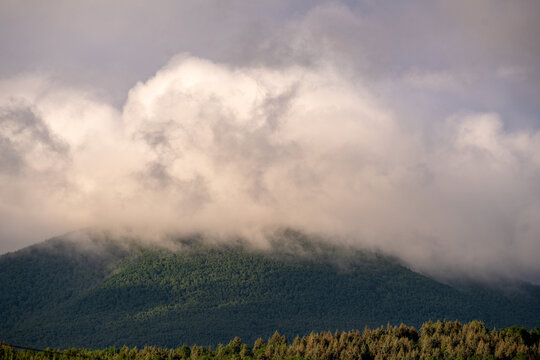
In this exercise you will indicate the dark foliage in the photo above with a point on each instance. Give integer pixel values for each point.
(439, 340)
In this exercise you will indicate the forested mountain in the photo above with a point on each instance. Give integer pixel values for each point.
(109, 292)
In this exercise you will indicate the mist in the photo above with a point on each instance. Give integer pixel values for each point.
(335, 123)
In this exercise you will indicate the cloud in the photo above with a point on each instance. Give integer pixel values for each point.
(370, 122)
(240, 150)
(104, 44)
(27, 143)
(440, 81)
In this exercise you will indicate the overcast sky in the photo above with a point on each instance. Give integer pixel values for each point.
(411, 127)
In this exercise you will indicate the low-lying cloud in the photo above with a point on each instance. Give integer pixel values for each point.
(240, 150)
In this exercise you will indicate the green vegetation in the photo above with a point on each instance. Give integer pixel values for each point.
(439, 340)
(59, 295)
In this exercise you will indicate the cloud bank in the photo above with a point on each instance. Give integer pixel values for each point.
(409, 127)
(240, 150)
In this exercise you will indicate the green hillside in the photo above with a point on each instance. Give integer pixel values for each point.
(61, 295)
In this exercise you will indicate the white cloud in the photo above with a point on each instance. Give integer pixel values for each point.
(203, 146)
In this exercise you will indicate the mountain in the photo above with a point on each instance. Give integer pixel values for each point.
(102, 292)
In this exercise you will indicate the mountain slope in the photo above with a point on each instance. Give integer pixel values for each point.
(58, 294)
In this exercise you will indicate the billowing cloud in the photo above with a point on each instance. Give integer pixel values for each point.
(410, 127)
(240, 150)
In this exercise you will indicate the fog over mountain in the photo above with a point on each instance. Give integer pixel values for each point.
(408, 128)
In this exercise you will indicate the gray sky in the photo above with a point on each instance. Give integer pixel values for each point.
(411, 127)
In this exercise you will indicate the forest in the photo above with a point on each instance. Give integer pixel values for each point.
(59, 295)
(434, 340)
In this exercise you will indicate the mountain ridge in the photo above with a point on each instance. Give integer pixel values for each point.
(62, 294)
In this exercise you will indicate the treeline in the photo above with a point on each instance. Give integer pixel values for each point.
(435, 340)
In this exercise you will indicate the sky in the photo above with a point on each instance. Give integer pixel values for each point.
(410, 127)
